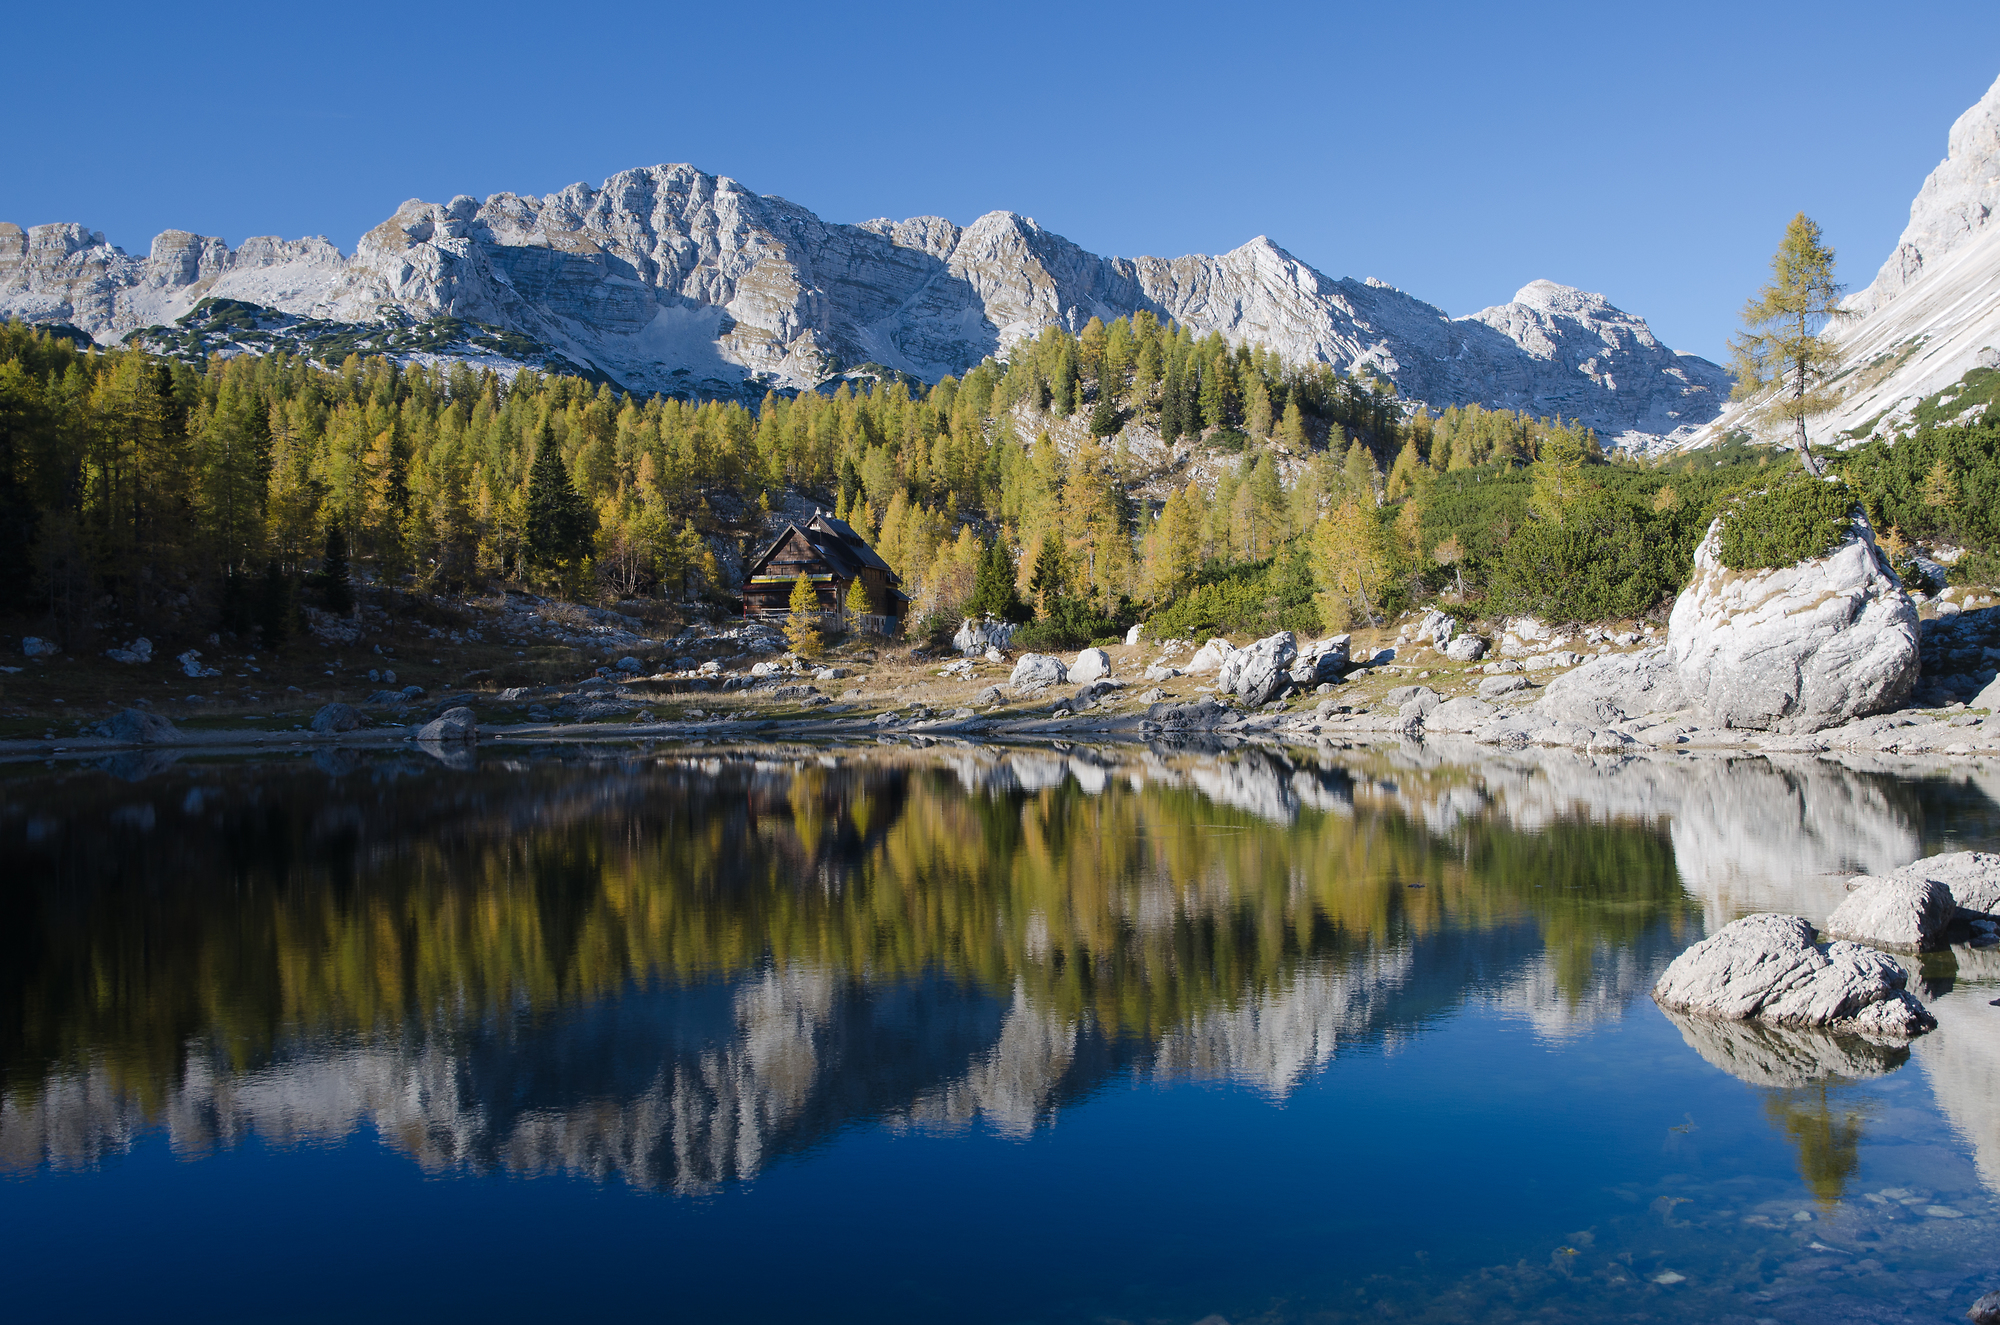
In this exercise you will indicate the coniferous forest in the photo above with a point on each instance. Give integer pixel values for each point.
(226, 495)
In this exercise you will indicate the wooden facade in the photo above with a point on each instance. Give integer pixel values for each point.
(832, 557)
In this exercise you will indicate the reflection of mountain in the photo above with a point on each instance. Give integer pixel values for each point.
(676, 973)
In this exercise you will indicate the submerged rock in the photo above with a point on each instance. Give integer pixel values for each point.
(1799, 648)
(1907, 912)
(1767, 968)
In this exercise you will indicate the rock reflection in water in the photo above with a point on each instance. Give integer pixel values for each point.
(673, 971)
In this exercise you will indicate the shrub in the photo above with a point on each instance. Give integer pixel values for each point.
(1791, 521)
(1601, 559)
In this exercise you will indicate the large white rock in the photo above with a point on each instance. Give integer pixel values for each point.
(1907, 913)
(1766, 967)
(975, 637)
(1465, 648)
(1612, 688)
(1795, 649)
(1036, 671)
(1971, 877)
(1257, 673)
(1320, 660)
(1090, 664)
(1210, 657)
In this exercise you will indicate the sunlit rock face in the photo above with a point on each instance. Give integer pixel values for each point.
(667, 278)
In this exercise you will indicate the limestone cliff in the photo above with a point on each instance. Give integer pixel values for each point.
(669, 279)
(1932, 313)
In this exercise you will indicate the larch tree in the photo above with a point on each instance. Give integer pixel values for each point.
(1781, 351)
(802, 620)
(1350, 564)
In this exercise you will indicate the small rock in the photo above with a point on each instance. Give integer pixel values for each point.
(456, 725)
(36, 647)
(989, 696)
(336, 718)
(631, 665)
(1495, 686)
(1465, 649)
(1986, 1311)
(1161, 672)
(138, 651)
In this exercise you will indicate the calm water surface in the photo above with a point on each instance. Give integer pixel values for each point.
(885, 1035)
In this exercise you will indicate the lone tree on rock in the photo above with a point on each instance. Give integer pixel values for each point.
(1781, 349)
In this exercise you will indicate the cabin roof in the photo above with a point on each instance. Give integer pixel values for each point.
(843, 550)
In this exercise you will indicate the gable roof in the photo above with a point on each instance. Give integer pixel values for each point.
(843, 550)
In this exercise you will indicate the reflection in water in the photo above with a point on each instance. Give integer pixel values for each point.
(674, 970)
(1826, 1134)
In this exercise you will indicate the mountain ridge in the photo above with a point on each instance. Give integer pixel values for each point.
(666, 278)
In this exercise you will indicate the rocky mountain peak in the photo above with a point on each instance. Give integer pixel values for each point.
(666, 278)
(1955, 204)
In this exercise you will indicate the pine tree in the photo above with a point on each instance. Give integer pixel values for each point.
(336, 593)
(1781, 350)
(803, 619)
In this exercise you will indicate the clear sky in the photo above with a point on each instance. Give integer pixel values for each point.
(1649, 152)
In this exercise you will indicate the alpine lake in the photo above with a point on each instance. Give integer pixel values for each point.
(989, 1034)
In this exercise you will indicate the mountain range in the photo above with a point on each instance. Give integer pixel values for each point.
(669, 279)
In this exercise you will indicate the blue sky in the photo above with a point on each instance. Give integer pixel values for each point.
(1652, 153)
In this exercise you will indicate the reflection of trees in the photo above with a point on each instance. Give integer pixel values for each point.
(1238, 912)
(1827, 1136)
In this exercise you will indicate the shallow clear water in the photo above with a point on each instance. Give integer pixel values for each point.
(891, 1035)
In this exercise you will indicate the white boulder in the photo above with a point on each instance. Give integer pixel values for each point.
(138, 651)
(1436, 628)
(1257, 673)
(1971, 877)
(1904, 912)
(1210, 657)
(1320, 661)
(1795, 649)
(1132, 636)
(1767, 968)
(1036, 671)
(36, 647)
(454, 725)
(975, 638)
(1614, 687)
(1466, 648)
(1090, 664)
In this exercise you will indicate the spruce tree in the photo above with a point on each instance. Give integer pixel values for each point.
(993, 591)
(274, 607)
(558, 528)
(1051, 574)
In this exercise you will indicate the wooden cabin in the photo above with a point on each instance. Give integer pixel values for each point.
(832, 556)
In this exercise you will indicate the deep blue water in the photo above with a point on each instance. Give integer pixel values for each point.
(899, 1036)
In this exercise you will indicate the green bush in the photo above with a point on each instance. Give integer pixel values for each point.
(1604, 558)
(1791, 521)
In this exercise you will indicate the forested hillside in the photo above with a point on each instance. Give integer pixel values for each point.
(1129, 472)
